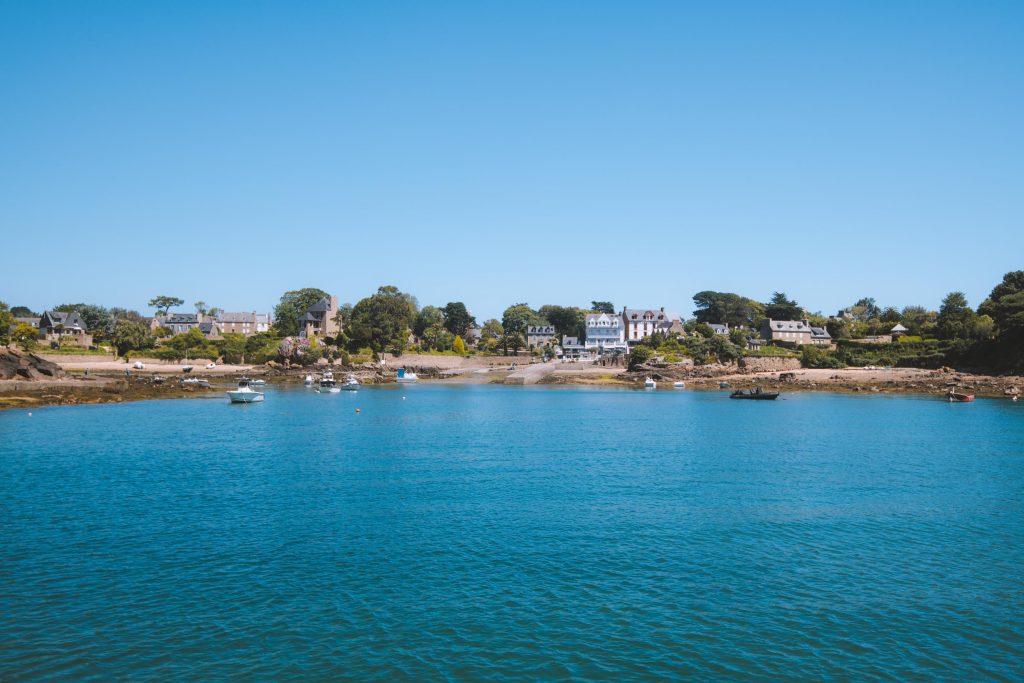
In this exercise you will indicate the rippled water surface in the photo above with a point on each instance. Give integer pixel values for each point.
(510, 533)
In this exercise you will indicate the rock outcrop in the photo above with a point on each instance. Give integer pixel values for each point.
(19, 365)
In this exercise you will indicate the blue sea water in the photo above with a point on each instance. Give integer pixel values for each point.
(513, 533)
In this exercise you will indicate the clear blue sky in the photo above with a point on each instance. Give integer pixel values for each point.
(504, 152)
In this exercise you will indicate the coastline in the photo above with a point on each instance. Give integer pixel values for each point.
(106, 386)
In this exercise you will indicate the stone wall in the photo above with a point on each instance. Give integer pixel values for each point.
(750, 365)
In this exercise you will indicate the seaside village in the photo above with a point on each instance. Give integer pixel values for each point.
(604, 334)
(726, 334)
(320, 328)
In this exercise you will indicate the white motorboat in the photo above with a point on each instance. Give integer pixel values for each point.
(406, 377)
(196, 382)
(308, 381)
(244, 393)
(258, 382)
(649, 383)
(678, 385)
(327, 384)
(350, 383)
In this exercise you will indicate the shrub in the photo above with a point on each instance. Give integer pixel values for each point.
(814, 357)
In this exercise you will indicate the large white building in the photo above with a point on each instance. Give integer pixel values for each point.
(605, 333)
(641, 323)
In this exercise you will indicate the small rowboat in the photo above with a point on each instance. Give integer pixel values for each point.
(755, 395)
(956, 397)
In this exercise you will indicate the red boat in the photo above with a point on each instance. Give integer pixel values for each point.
(956, 397)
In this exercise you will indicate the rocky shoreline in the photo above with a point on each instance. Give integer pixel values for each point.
(28, 380)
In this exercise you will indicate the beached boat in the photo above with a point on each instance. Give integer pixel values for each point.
(406, 377)
(350, 383)
(244, 393)
(755, 394)
(196, 382)
(649, 383)
(957, 397)
(327, 384)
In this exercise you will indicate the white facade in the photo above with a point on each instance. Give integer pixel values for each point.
(643, 322)
(605, 333)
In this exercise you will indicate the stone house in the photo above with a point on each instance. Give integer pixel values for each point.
(539, 335)
(319, 319)
(797, 332)
(64, 327)
(243, 322)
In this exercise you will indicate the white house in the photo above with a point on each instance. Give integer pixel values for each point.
(605, 333)
(641, 323)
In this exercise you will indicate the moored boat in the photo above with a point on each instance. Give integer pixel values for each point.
(308, 381)
(244, 393)
(649, 383)
(258, 382)
(755, 394)
(327, 384)
(350, 383)
(405, 377)
(957, 397)
(678, 385)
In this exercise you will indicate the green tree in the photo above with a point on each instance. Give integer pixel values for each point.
(726, 307)
(291, 307)
(515, 321)
(567, 320)
(1005, 307)
(131, 335)
(723, 349)
(232, 347)
(457, 318)
(163, 303)
(956, 319)
(890, 315)
(22, 311)
(704, 330)
(192, 343)
(738, 337)
(918, 319)
(6, 323)
(436, 337)
(383, 321)
(639, 355)
(427, 317)
(781, 307)
(200, 307)
(459, 346)
(25, 336)
(602, 307)
(490, 335)
(865, 309)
